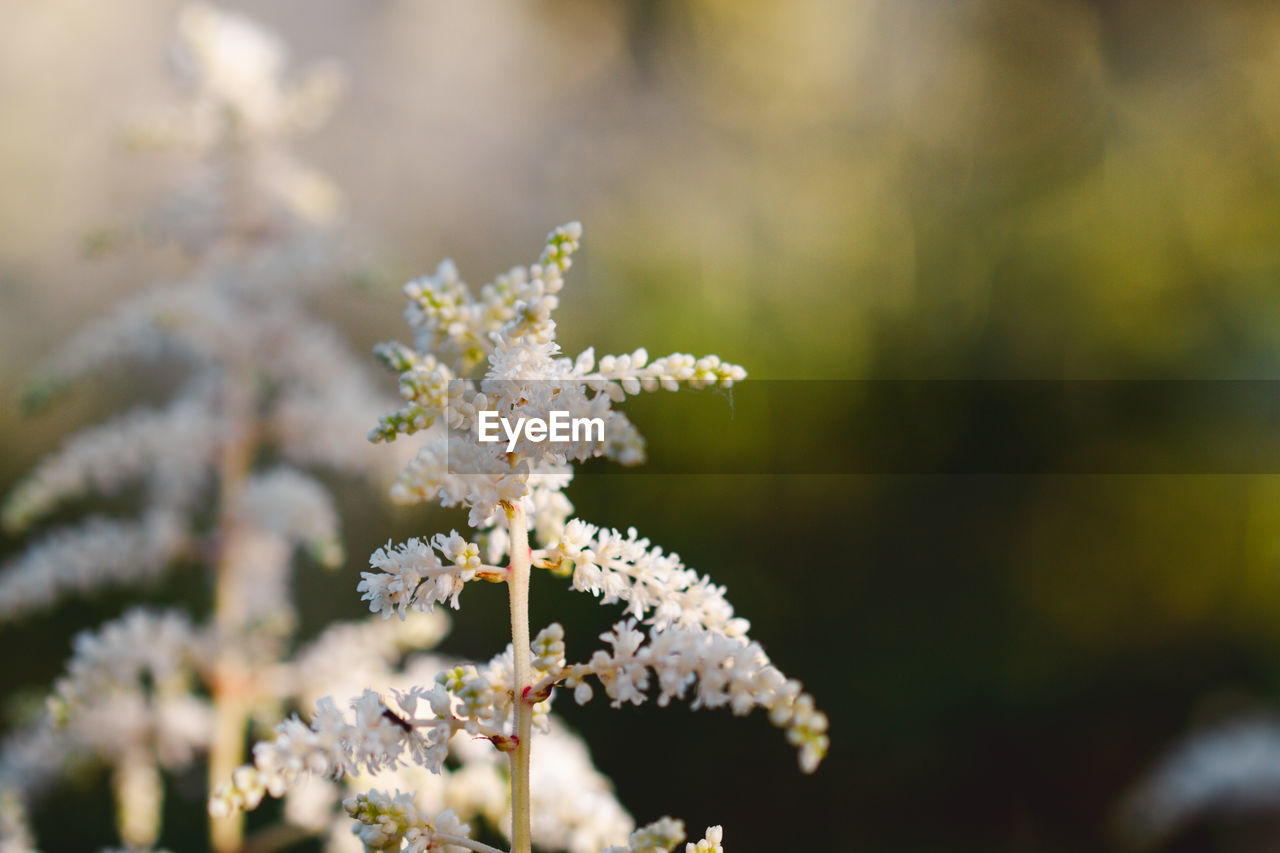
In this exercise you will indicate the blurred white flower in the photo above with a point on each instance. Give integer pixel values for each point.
(1228, 769)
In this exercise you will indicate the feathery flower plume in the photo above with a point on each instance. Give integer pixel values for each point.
(692, 646)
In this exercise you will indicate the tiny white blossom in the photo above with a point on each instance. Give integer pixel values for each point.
(710, 843)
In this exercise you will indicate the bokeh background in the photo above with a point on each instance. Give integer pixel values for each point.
(817, 189)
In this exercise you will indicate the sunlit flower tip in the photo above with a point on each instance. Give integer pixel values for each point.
(709, 844)
(459, 551)
(351, 805)
(395, 356)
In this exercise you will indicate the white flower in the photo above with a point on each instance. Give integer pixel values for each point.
(710, 842)
(126, 702)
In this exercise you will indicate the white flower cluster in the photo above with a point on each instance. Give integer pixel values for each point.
(174, 451)
(486, 697)
(710, 842)
(664, 835)
(126, 701)
(574, 807)
(410, 575)
(239, 66)
(661, 836)
(97, 553)
(695, 645)
(726, 670)
(295, 507)
(385, 822)
(333, 747)
(347, 657)
(376, 738)
(477, 700)
(158, 650)
(128, 690)
(185, 323)
(510, 324)
(241, 100)
(614, 568)
(141, 444)
(694, 638)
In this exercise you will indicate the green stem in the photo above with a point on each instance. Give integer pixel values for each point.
(518, 590)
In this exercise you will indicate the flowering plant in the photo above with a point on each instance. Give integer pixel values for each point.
(679, 633)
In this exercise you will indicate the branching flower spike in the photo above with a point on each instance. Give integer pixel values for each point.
(678, 638)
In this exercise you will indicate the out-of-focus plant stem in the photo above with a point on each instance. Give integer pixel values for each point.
(228, 685)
